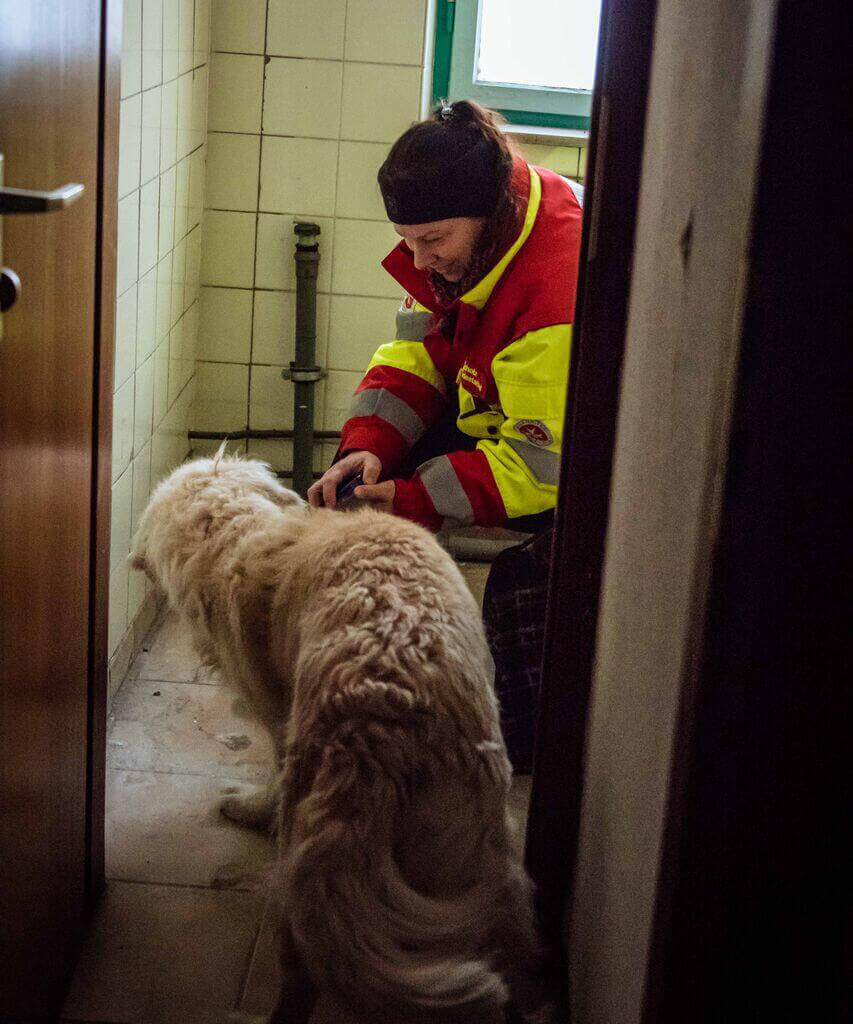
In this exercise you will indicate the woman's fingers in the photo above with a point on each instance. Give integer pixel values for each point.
(324, 490)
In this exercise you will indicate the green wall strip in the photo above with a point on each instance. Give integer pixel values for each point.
(444, 23)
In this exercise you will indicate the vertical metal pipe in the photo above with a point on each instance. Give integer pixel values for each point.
(303, 370)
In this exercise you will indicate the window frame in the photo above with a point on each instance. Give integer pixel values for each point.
(446, 15)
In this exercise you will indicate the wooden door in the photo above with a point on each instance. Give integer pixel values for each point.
(57, 120)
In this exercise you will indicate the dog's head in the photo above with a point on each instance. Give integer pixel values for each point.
(194, 500)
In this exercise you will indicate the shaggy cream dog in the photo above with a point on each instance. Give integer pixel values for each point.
(355, 640)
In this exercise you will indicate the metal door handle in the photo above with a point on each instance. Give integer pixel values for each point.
(25, 200)
(10, 288)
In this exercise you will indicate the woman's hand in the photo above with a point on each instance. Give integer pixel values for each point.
(380, 496)
(322, 491)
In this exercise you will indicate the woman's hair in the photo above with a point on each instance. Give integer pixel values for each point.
(455, 163)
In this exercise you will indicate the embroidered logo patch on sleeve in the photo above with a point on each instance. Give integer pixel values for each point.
(536, 432)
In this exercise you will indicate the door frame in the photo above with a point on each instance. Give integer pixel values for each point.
(577, 558)
(104, 339)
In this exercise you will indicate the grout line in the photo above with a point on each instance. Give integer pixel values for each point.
(316, 138)
(323, 60)
(281, 213)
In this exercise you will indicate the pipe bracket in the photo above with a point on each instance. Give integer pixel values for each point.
(303, 374)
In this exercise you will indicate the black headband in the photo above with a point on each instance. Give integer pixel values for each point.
(464, 184)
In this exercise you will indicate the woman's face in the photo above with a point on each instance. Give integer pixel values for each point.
(444, 246)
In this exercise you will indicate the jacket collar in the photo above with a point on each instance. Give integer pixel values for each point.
(400, 262)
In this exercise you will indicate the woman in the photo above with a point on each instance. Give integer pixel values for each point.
(459, 420)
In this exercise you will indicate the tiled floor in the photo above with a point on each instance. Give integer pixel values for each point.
(182, 935)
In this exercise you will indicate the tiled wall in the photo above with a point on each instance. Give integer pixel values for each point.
(305, 98)
(164, 78)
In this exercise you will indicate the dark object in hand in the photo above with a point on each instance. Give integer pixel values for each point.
(346, 488)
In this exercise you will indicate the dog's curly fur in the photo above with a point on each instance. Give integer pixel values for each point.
(357, 643)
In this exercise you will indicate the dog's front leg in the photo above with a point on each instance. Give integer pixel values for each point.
(253, 807)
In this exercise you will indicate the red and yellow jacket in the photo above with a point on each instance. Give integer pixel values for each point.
(509, 359)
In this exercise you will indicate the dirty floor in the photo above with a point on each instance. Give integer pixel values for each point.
(183, 934)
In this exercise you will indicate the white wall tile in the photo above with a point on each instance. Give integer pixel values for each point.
(221, 397)
(160, 36)
(298, 174)
(197, 185)
(149, 225)
(125, 337)
(129, 145)
(277, 244)
(177, 376)
(201, 35)
(193, 276)
(164, 298)
(270, 399)
(122, 428)
(191, 328)
(228, 251)
(128, 242)
(182, 197)
(236, 85)
(225, 328)
(340, 387)
(358, 191)
(302, 97)
(171, 38)
(306, 28)
(207, 448)
(118, 606)
(161, 381)
(179, 278)
(360, 247)
(131, 48)
(238, 27)
(168, 124)
(166, 236)
(379, 101)
(278, 454)
(232, 171)
(385, 31)
(146, 316)
(562, 159)
(141, 485)
(274, 328)
(136, 591)
(198, 122)
(357, 327)
(151, 101)
(143, 405)
(120, 516)
(186, 28)
(152, 43)
(186, 138)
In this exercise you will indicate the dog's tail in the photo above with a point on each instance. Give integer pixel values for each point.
(366, 934)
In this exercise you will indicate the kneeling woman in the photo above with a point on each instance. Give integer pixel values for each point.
(459, 419)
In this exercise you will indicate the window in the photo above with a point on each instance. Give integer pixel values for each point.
(533, 60)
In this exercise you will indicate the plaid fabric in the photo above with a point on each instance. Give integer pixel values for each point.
(514, 616)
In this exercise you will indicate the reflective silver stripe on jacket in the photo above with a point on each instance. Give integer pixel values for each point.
(446, 492)
(387, 406)
(578, 190)
(544, 465)
(412, 324)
